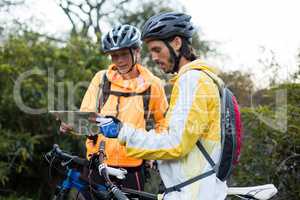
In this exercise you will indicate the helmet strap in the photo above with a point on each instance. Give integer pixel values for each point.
(174, 57)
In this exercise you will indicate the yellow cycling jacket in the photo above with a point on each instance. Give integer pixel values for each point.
(194, 114)
(127, 109)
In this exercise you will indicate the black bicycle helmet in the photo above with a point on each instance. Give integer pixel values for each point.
(166, 25)
(122, 36)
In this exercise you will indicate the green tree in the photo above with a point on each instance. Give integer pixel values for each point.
(296, 75)
(5, 8)
(86, 16)
(240, 84)
(58, 77)
(270, 155)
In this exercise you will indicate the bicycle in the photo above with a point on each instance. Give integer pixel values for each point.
(107, 190)
(87, 189)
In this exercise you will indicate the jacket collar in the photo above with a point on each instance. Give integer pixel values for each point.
(144, 79)
(200, 65)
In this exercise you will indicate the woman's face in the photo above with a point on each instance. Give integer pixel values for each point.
(123, 60)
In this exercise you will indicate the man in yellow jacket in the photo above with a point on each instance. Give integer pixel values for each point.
(194, 115)
(128, 91)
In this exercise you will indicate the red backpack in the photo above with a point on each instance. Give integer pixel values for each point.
(231, 139)
(231, 133)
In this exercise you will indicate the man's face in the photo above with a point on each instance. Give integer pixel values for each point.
(122, 59)
(160, 54)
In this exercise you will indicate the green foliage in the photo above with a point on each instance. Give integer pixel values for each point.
(59, 75)
(296, 75)
(270, 155)
(240, 84)
(14, 197)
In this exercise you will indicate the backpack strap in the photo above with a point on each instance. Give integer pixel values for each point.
(199, 144)
(146, 99)
(190, 181)
(146, 103)
(203, 151)
(101, 99)
(205, 154)
(125, 94)
(105, 91)
(220, 87)
(196, 178)
(103, 94)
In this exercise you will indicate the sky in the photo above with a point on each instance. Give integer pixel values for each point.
(244, 28)
(243, 31)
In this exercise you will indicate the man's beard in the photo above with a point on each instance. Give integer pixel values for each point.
(172, 63)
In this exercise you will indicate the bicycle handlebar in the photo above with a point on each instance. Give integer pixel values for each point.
(118, 193)
(57, 152)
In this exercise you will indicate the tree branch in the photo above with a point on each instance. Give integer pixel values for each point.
(50, 37)
(66, 11)
(10, 3)
(90, 19)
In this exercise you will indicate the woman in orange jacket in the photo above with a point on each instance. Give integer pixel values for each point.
(128, 91)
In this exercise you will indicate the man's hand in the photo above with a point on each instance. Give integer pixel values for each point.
(109, 126)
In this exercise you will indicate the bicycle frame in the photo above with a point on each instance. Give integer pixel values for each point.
(84, 186)
(74, 180)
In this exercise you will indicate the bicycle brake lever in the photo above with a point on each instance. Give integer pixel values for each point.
(66, 162)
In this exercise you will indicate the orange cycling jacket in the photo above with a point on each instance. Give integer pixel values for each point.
(128, 109)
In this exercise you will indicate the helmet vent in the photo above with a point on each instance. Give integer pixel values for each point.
(167, 18)
(108, 39)
(180, 25)
(115, 38)
(122, 36)
(157, 29)
(178, 14)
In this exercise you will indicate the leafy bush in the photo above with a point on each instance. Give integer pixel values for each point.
(270, 155)
(55, 71)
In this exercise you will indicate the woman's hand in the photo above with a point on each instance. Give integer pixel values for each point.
(65, 128)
